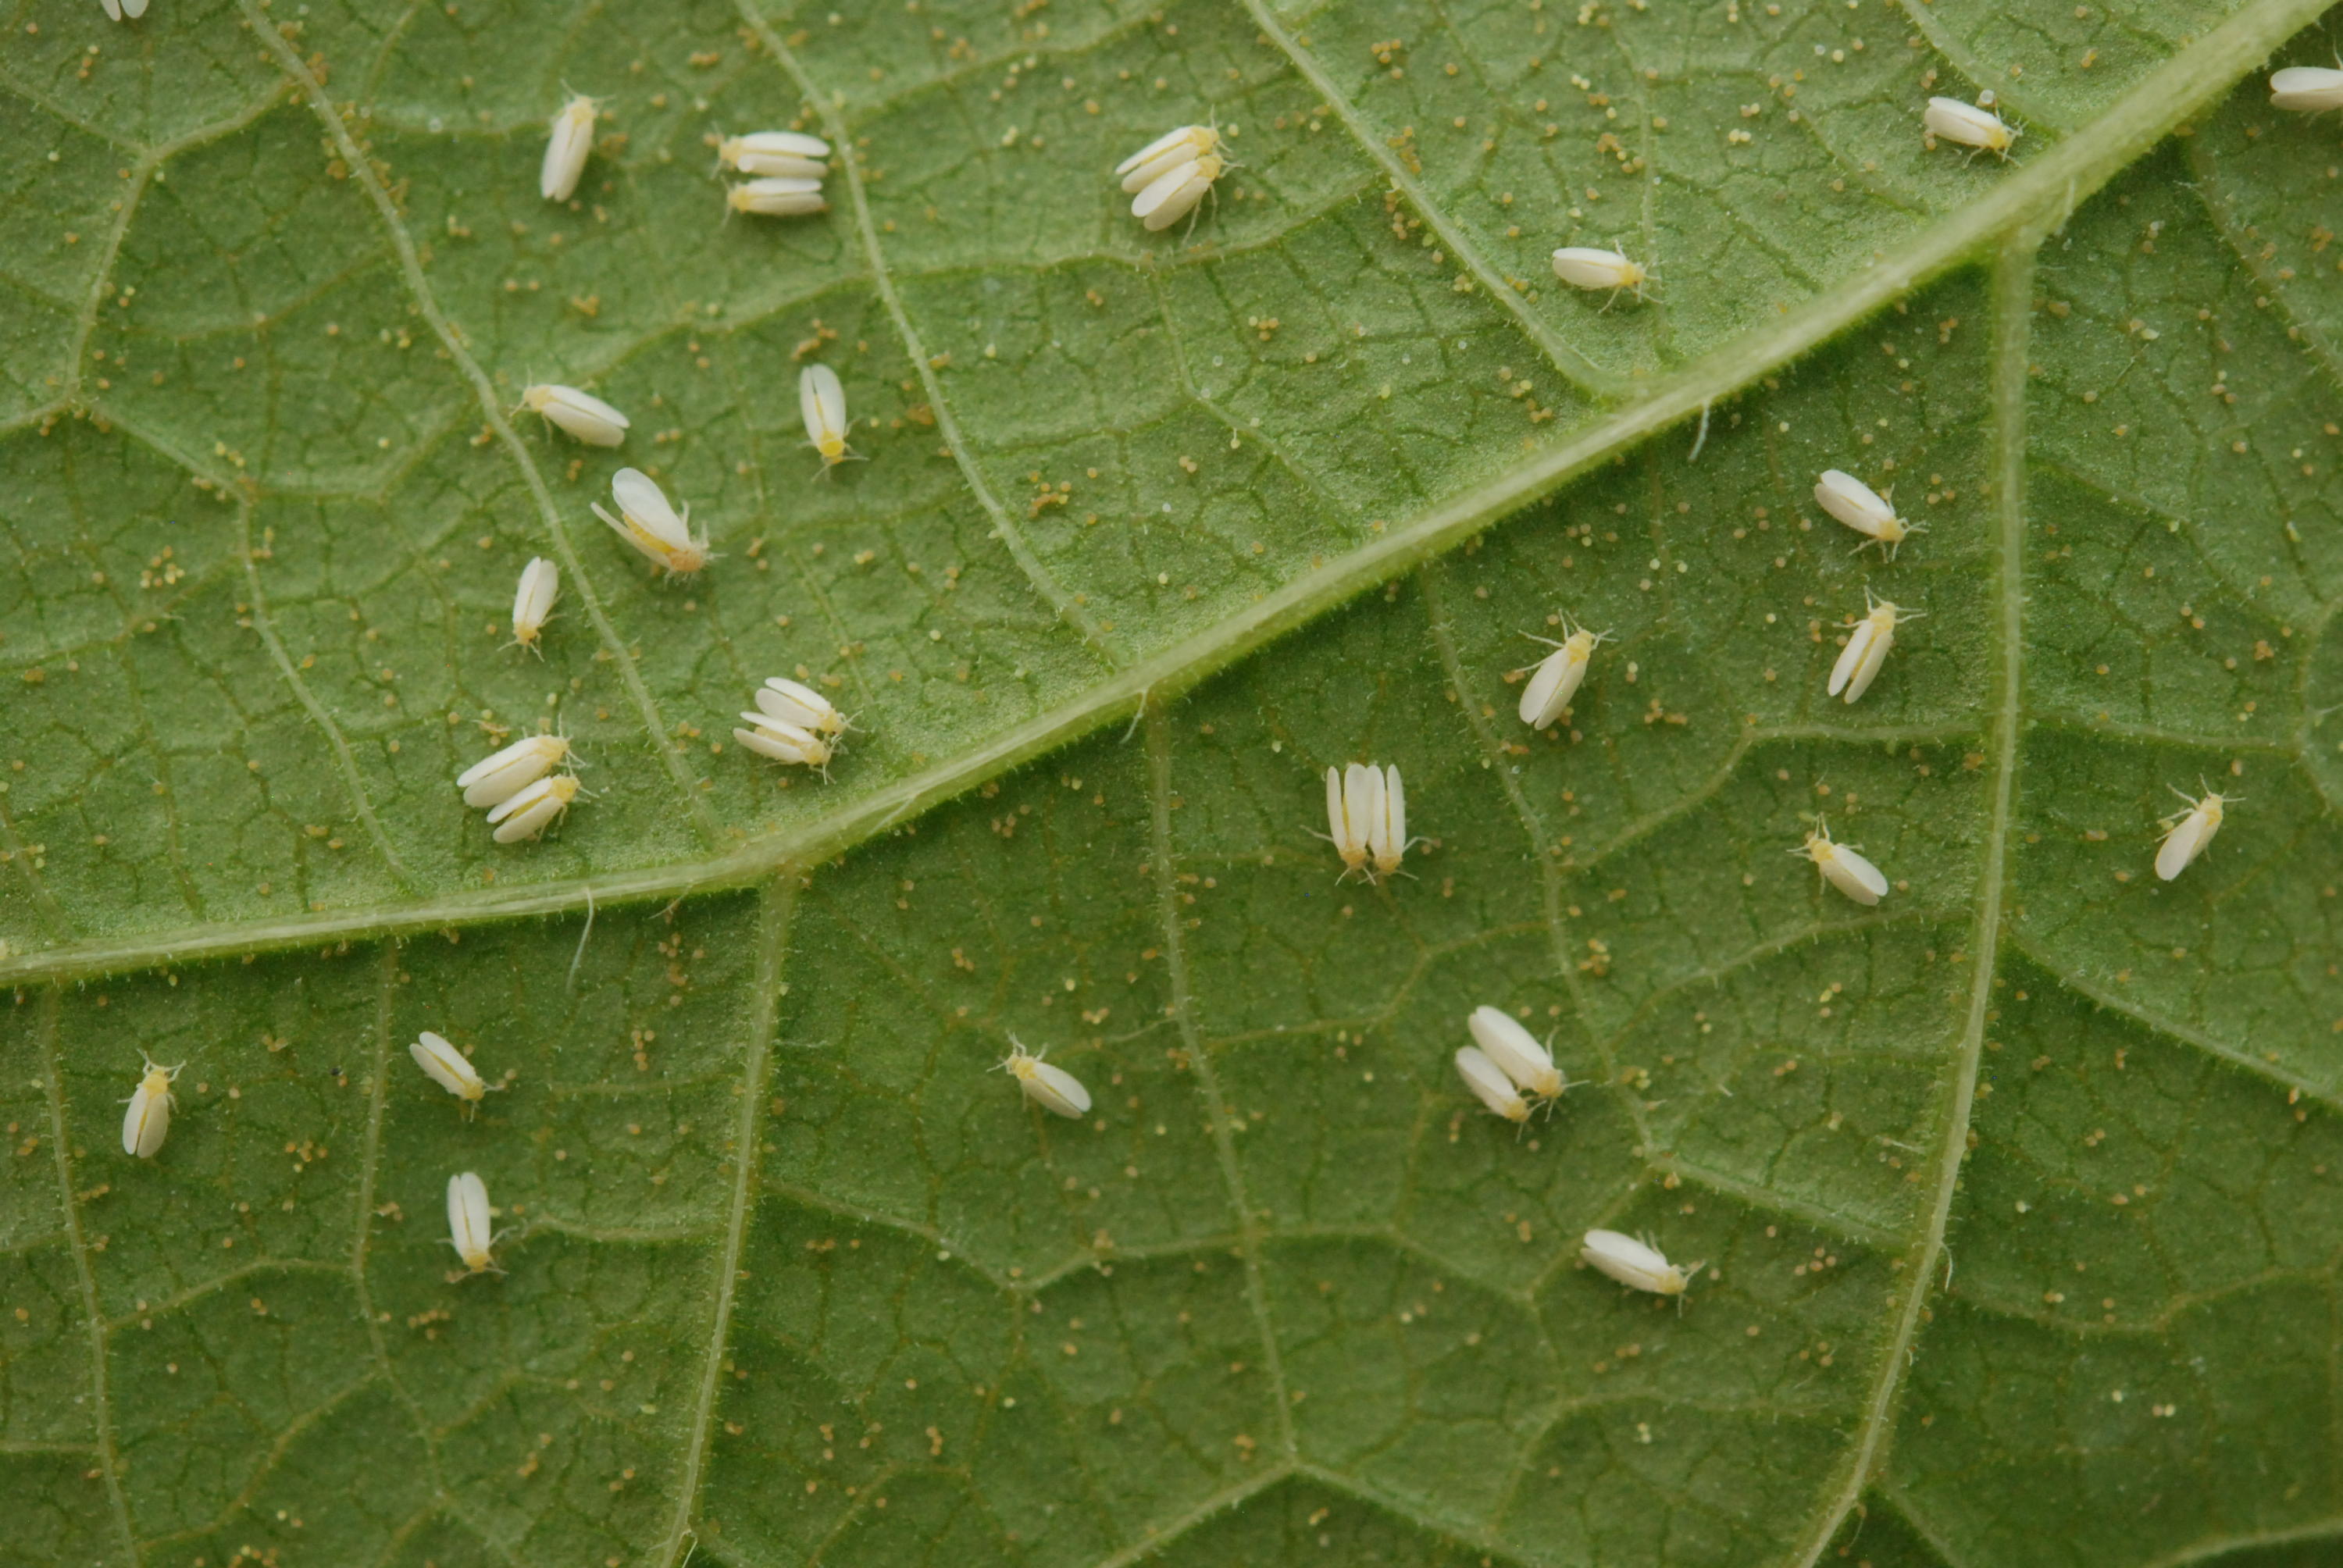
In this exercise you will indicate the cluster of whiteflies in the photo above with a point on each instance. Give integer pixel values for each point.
(792, 722)
(1600, 269)
(1366, 818)
(518, 788)
(785, 170)
(1171, 174)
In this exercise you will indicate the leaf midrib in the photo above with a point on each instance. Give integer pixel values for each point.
(2044, 190)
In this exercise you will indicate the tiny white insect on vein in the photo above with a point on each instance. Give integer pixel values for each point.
(1167, 152)
(470, 1223)
(533, 597)
(1635, 1263)
(778, 195)
(582, 414)
(570, 138)
(1354, 803)
(1051, 1088)
(499, 776)
(1864, 510)
(1174, 193)
(1595, 269)
(1517, 1051)
(2186, 836)
(1868, 645)
(148, 1121)
(1951, 120)
(1557, 678)
(1489, 1085)
(1387, 830)
(1842, 867)
(651, 524)
(793, 702)
(822, 403)
(450, 1068)
(790, 154)
(530, 811)
(2309, 89)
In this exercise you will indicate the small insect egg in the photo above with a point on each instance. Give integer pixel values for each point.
(1051, 1088)
(570, 139)
(540, 582)
(147, 1122)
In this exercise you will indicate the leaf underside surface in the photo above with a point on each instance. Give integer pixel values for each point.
(2017, 1193)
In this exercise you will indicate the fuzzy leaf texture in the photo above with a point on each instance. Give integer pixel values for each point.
(2017, 1194)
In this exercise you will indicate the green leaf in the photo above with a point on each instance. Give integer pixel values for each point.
(2015, 1193)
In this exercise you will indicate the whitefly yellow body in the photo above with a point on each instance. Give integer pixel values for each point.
(1387, 837)
(1637, 1265)
(1051, 1088)
(1864, 510)
(822, 403)
(1592, 268)
(501, 775)
(1557, 678)
(1166, 153)
(794, 702)
(147, 1122)
(1842, 867)
(1868, 645)
(652, 527)
(533, 597)
(777, 196)
(1354, 805)
(581, 414)
(570, 139)
(533, 810)
(1175, 193)
(1517, 1051)
(789, 155)
(1951, 120)
(2187, 834)
(450, 1068)
(1489, 1085)
(783, 741)
(2311, 89)
(470, 1222)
